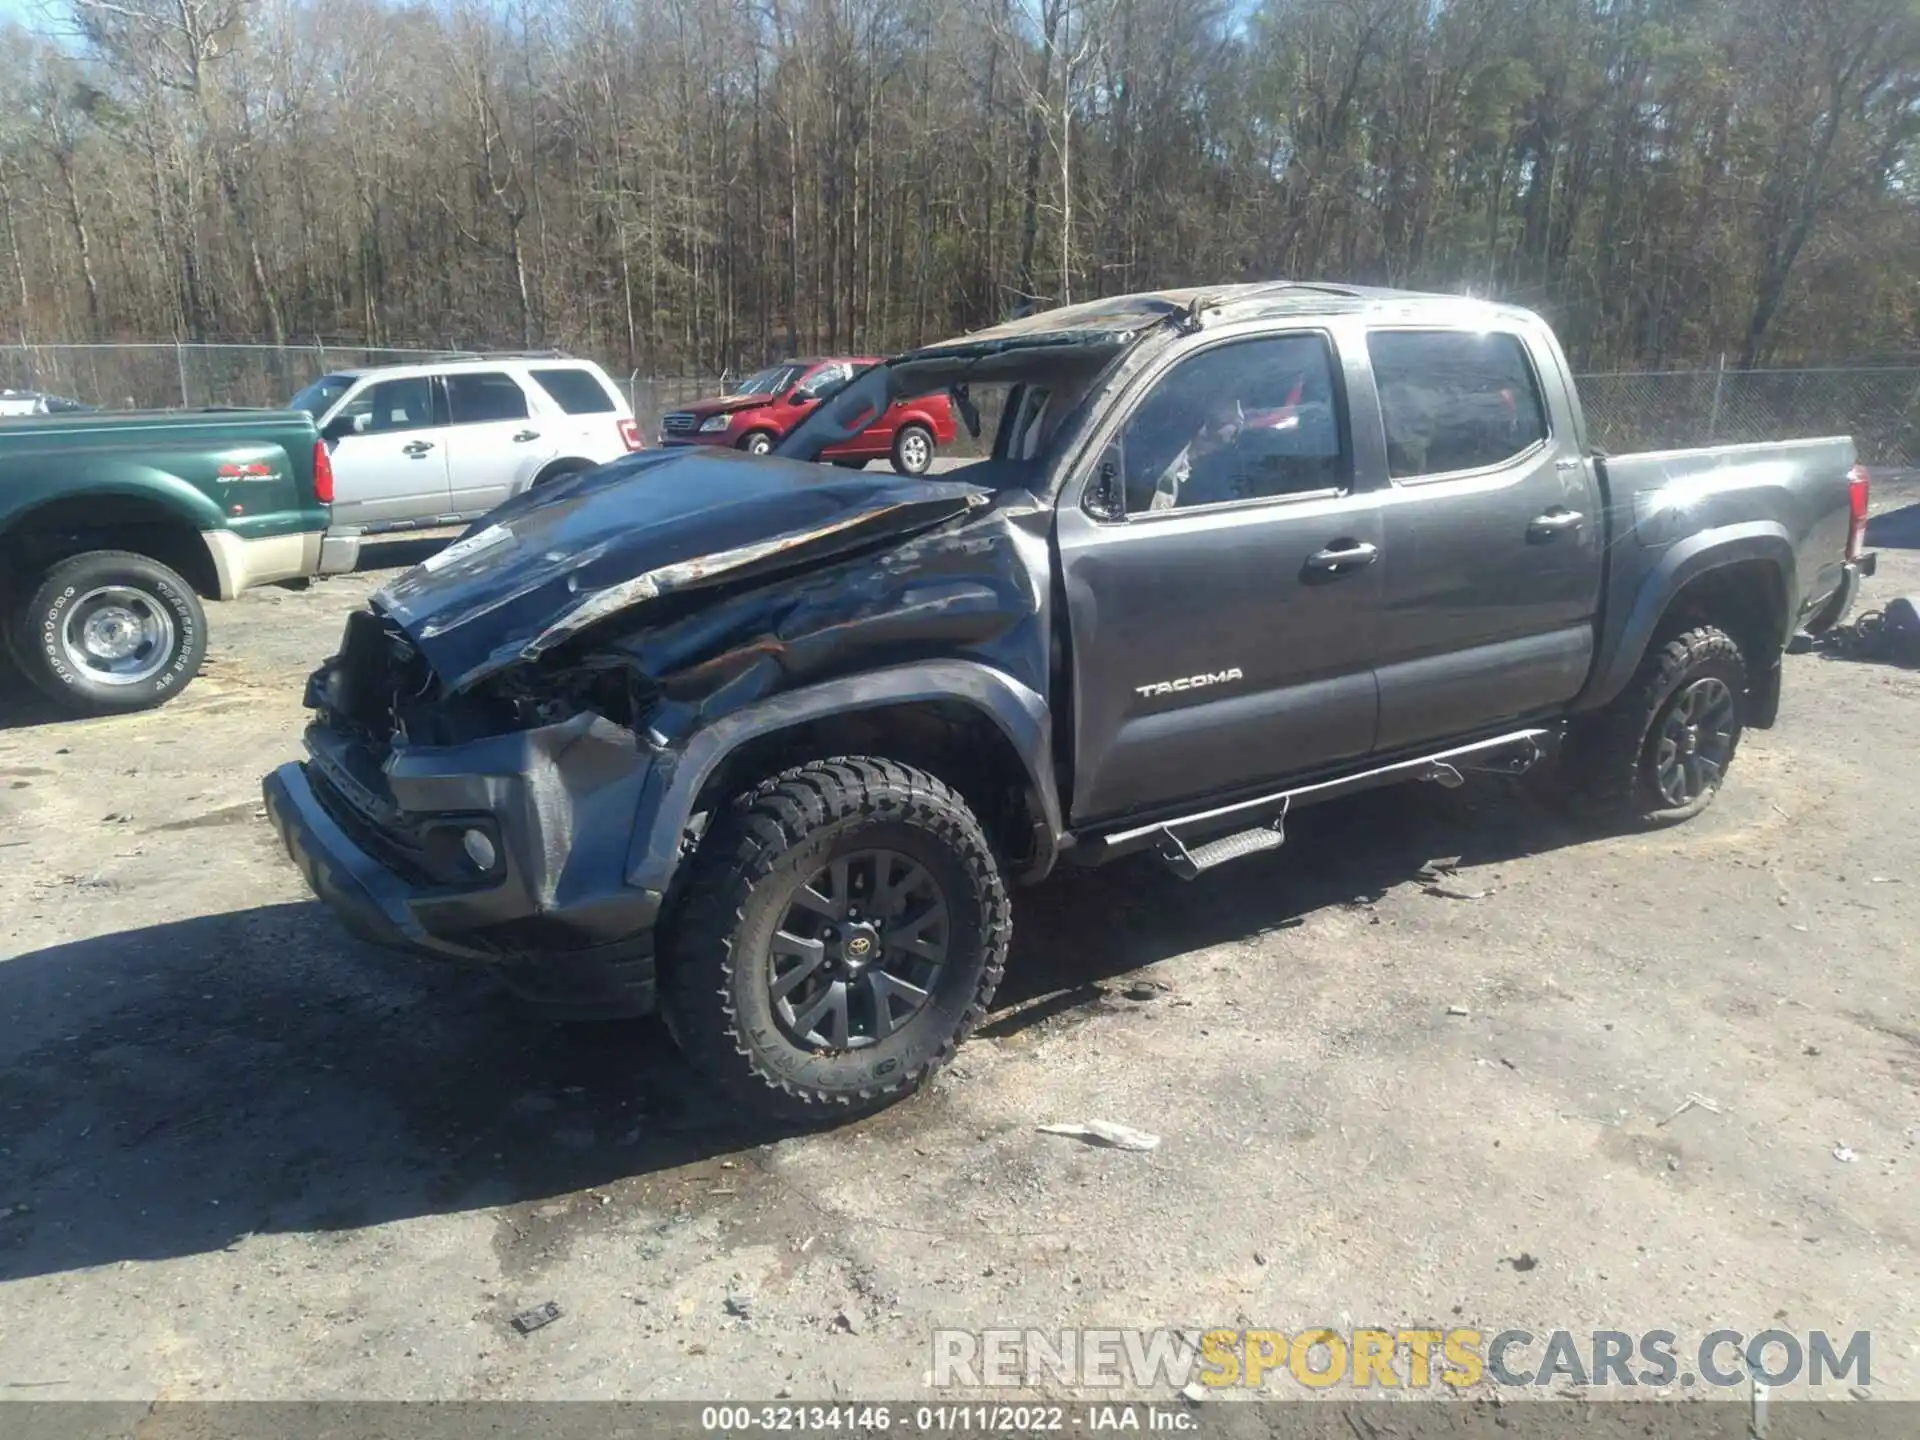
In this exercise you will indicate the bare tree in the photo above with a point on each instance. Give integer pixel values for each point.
(705, 183)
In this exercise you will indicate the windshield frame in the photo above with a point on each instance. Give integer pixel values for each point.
(943, 368)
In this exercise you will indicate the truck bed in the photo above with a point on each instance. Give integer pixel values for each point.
(1784, 501)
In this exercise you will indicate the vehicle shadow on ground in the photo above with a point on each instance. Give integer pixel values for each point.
(172, 1090)
(1089, 926)
(401, 553)
(20, 704)
(1896, 530)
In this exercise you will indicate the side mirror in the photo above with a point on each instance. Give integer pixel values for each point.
(798, 397)
(340, 427)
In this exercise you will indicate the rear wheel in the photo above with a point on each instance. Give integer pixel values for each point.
(758, 443)
(844, 930)
(559, 470)
(1659, 753)
(913, 450)
(111, 631)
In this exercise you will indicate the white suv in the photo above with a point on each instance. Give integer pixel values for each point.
(442, 443)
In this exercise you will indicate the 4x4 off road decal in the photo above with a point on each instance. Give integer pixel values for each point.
(1191, 682)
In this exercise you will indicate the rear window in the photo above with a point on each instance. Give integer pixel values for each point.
(477, 398)
(578, 392)
(1454, 400)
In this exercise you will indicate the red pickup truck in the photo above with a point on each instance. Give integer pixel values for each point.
(760, 411)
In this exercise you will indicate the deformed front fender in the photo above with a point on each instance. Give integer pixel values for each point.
(674, 786)
(1642, 597)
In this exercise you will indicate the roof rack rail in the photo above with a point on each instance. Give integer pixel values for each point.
(427, 357)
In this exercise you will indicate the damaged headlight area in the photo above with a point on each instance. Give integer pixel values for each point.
(376, 674)
(380, 689)
(534, 695)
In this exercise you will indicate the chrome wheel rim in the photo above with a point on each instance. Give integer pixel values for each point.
(915, 451)
(858, 951)
(759, 445)
(1695, 742)
(118, 635)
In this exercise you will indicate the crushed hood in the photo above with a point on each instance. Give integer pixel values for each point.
(725, 404)
(551, 562)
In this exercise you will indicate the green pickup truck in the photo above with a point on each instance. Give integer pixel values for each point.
(112, 527)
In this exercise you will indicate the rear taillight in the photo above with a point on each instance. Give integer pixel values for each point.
(1857, 488)
(630, 433)
(322, 473)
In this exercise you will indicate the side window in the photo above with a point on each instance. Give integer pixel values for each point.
(1454, 400)
(478, 398)
(1250, 420)
(576, 391)
(391, 405)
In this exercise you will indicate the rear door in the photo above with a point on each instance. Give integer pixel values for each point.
(495, 443)
(592, 415)
(1494, 535)
(392, 465)
(1220, 560)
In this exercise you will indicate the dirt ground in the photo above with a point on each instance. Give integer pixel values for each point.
(243, 1156)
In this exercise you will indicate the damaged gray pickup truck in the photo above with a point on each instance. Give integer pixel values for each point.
(763, 742)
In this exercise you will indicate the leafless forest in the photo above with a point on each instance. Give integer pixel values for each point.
(698, 184)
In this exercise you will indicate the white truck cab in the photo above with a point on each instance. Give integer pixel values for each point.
(445, 441)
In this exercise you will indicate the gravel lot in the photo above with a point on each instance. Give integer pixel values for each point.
(243, 1156)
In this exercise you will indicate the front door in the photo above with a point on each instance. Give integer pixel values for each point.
(391, 465)
(1222, 582)
(1494, 536)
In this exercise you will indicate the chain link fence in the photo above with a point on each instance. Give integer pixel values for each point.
(163, 376)
(159, 377)
(1673, 409)
(1626, 411)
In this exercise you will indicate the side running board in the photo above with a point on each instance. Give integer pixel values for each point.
(1262, 822)
(1192, 863)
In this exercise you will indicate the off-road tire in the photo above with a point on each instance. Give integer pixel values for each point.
(905, 450)
(1611, 765)
(717, 963)
(756, 442)
(37, 628)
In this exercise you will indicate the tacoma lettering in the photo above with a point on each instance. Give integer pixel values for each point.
(1192, 682)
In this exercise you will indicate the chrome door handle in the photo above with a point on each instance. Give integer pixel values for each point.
(526, 435)
(1556, 521)
(416, 448)
(1339, 560)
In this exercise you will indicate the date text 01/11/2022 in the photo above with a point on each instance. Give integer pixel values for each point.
(941, 1420)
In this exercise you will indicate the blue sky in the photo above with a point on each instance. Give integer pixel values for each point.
(31, 13)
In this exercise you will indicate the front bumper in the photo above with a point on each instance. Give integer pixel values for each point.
(554, 916)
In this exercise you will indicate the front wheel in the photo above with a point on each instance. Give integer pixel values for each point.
(758, 443)
(111, 631)
(844, 930)
(1658, 754)
(913, 450)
